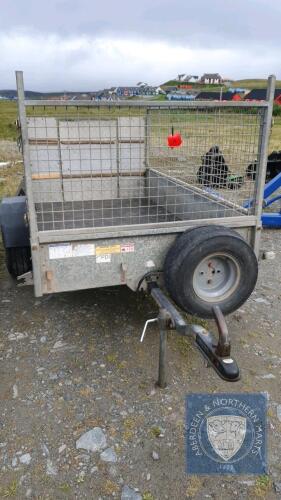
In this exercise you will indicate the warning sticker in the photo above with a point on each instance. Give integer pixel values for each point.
(108, 250)
(62, 251)
(67, 250)
(83, 249)
(100, 259)
(127, 247)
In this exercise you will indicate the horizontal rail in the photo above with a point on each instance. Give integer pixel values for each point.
(140, 229)
(71, 142)
(149, 104)
(56, 175)
(207, 195)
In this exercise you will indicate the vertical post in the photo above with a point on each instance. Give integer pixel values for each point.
(262, 164)
(28, 183)
(162, 349)
(146, 153)
(118, 151)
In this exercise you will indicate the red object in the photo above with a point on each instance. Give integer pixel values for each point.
(237, 97)
(174, 140)
(187, 87)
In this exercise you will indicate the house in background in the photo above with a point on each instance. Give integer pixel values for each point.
(181, 97)
(137, 91)
(184, 78)
(211, 78)
(218, 96)
(168, 89)
(260, 95)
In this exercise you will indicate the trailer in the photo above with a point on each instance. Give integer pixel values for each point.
(136, 193)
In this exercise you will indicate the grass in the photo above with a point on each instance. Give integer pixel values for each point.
(262, 486)
(10, 491)
(147, 496)
(9, 180)
(155, 431)
(275, 136)
(211, 86)
(258, 83)
(8, 116)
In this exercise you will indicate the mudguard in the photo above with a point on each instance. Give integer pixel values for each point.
(15, 231)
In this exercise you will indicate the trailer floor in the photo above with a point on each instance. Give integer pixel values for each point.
(99, 213)
(72, 362)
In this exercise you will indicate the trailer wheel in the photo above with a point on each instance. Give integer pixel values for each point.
(207, 266)
(18, 260)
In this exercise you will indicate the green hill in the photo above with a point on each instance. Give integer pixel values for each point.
(193, 85)
(258, 83)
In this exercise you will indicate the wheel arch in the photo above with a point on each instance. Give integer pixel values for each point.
(13, 222)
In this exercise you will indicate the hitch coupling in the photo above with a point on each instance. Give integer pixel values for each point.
(217, 353)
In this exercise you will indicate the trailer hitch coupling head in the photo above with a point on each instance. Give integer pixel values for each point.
(225, 366)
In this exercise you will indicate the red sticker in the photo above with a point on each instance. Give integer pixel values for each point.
(127, 247)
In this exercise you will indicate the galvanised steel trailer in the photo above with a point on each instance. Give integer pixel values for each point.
(148, 195)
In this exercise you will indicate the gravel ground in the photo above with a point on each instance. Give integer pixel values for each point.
(68, 367)
(9, 151)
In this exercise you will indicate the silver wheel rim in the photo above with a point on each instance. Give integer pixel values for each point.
(216, 277)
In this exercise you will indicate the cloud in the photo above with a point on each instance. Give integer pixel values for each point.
(87, 62)
(201, 23)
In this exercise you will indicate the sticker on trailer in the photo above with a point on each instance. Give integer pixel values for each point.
(100, 259)
(127, 247)
(108, 250)
(61, 251)
(83, 249)
(68, 250)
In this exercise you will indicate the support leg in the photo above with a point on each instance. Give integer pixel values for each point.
(162, 370)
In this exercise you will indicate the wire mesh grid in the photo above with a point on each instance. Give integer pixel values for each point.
(94, 166)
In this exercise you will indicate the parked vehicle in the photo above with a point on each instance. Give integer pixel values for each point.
(109, 201)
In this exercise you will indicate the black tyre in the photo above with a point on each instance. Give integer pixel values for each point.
(210, 265)
(18, 260)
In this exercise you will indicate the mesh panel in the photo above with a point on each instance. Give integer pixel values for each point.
(95, 166)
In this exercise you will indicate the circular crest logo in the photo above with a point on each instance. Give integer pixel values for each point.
(226, 433)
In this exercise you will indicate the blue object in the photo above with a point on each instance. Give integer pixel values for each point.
(226, 433)
(272, 185)
(272, 220)
(269, 220)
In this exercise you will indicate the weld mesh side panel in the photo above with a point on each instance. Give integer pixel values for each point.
(112, 166)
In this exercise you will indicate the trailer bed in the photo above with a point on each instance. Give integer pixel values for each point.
(161, 199)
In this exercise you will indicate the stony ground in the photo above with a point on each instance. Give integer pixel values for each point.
(72, 364)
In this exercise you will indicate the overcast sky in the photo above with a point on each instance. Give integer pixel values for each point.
(90, 44)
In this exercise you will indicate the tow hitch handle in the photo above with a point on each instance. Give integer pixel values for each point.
(223, 346)
(218, 355)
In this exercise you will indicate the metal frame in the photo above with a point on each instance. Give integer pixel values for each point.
(251, 222)
(263, 160)
(34, 238)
